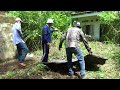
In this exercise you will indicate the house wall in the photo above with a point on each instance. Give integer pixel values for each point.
(96, 29)
(95, 25)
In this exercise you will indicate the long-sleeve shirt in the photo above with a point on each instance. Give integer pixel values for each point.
(46, 34)
(16, 30)
(72, 38)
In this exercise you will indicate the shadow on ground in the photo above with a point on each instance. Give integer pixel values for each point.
(92, 63)
(62, 67)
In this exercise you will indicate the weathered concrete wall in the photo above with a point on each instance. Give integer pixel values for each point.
(94, 22)
(7, 49)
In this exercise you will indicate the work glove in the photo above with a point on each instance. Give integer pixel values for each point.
(54, 28)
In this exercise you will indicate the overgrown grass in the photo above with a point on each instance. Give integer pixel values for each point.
(10, 74)
(108, 50)
(110, 70)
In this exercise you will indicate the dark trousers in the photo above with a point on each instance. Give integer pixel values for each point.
(45, 52)
(22, 51)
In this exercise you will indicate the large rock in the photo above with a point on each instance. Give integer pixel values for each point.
(7, 49)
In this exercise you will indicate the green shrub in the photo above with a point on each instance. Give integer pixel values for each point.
(34, 22)
(110, 25)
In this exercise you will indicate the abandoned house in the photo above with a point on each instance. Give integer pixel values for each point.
(90, 23)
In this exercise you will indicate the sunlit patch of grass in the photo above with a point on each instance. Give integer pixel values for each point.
(10, 74)
(110, 70)
(35, 69)
(98, 48)
(38, 52)
(55, 53)
(107, 50)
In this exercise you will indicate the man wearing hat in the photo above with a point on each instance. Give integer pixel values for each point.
(72, 38)
(46, 39)
(18, 41)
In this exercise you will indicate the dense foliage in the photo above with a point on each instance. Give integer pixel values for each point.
(110, 21)
(34, 22)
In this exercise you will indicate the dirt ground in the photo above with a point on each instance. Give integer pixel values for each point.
(13, 66)
(9, 69)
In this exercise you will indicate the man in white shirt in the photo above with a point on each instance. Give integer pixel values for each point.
(18, 41)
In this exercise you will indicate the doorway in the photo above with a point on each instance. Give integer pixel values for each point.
(88, 30)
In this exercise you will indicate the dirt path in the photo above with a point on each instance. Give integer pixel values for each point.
(12, 66)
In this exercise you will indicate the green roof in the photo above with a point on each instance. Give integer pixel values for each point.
(86, 15)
